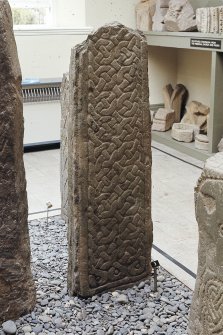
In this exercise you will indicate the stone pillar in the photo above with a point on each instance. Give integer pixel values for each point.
(64, 146)
(17, 291)
(109, 166)
(207, 305)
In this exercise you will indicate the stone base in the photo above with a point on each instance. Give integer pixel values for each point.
(184, 132)
(202, 142)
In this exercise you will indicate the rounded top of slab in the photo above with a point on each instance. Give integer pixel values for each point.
(213, 167)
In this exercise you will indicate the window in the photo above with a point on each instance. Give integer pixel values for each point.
(32, 13)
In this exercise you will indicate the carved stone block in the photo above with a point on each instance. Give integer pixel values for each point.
(158, 18)
(210, 19)
(17, 291)
(65, 103)
(202, 142)
(109, 167)
(180, 16)
(207, 304)
(197, 114)
(183, 132)
(163, 119)
(220, 145)
(144, 14)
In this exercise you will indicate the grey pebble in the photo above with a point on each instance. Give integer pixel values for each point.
(9, 327)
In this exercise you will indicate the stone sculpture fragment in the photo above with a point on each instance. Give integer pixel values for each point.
(207, 304)
(145, 11)
(17, 290)
(163, 119)
(160, 12)
(175, 99)
(109, 162)
(202, 142)
(184, 132)
(197, 113)
(65, 103)
(210, 19)
(180, 16)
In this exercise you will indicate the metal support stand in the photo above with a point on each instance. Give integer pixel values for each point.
(155, 265)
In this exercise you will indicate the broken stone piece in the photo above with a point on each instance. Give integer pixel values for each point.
(196, 113)
(163, 119)
(184, 132)
(210, 19)
(202, 142)
(65, 102)
(144, 14)
(207, 303)
(158, 18)
(180, 16)
(175, 99)
(109, 165)
(220, 145)
(17, 289)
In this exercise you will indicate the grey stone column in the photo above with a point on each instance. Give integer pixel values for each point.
(17, 291)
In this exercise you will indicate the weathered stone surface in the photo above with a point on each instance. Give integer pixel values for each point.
(144, 14)
(109, 167)
(207, 304)
(180, 16)
(202, 142)
(163, 119)
(64, 146)
(210, 19)
(197, 114)
(158, 18)
(184, 132)
(17, 292)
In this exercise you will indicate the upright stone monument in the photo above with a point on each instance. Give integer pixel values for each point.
(109, 166)
(207, 305)
(17, 291)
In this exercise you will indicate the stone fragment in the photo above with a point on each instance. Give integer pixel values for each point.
(180, 16)
(178, 101)
(17, 291)
(109, 166)
(210, 19)
(220, 145)
(158, 18)
(207, 304)
(175, 99)
(9, 327)
(64, 146)
(197, 114)
(163, 119)
(202, 142)
(184, 132)
(144, 14)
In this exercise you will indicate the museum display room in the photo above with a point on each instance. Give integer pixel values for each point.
(111, 167)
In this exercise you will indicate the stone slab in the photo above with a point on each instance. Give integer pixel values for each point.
(109, 167)
(207, 304)
(17, 291)
(163, 120)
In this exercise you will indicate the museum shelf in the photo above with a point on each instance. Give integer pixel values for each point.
(185, 148)
(212, 43)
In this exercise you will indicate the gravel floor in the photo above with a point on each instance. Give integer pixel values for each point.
(129, 312)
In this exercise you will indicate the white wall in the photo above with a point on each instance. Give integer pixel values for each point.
(100, 12)
(46, 53)
(69, 13)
